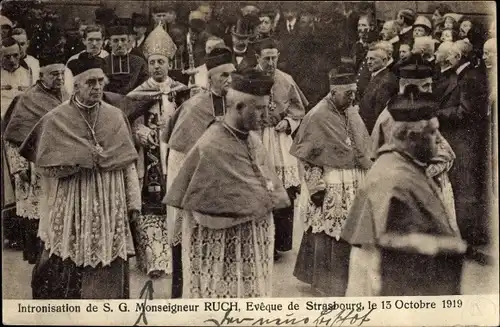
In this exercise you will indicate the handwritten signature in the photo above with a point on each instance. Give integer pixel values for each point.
(326, 318)
(146, 292)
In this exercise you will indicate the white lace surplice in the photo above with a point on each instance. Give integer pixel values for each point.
(341, 187)
(278, 146)
(87, 220)
(27, 193)
(235, 262)
(174, 219)
(153, 252)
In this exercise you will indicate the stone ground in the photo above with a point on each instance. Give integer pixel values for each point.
(16, 277)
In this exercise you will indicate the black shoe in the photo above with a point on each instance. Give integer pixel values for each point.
(277, 256)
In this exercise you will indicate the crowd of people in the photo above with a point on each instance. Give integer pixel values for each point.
(194, 146)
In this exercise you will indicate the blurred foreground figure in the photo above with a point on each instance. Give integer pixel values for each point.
(399, 225)
(228, 236)
(86, 156)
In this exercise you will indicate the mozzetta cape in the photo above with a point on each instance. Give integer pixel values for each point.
(289, 99)
(218, 178)
(322, 136)
(189, 122)
(404, 184)
(61, 138)
(30, 108)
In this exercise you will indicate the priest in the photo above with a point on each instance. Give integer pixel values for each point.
(125, 71)
(15, 79)
(399, 226)
(85, 154)
(228, 190)
(30, 107)
(287, 106)
(153, 250)
(333, 144)
(416, 73)
(187, 125)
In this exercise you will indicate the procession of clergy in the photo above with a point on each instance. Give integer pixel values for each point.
(113, 158)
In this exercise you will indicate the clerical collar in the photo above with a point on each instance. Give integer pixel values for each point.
(291, 23)
(238, 133)
(411, 158)
(239, 53)
(80, 104)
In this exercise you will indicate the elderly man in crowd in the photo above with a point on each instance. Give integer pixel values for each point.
(424, 46)
(463, 118)
(228, 236)
(382, 85)
(390, 32)
(286, 108)
(442, 70)
(418, 72)
(334, 146)
(29, 108)
(399, 227)
(422, 27)
(84, 146)
(187, 125)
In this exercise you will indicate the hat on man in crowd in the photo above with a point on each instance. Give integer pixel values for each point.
(424, 22)
(413, 105)
(219, 58)
(118, 30)
(454, 16)
(343, 74)
(252, 81)
(164, 7)
(104, 15)
(159, 42)
(245, 27)
(250, 10)
(197, 20)
(50, 56)
(5, 22)
(139, 20)
(86, 63)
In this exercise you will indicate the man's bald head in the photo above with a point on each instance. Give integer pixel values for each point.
(490, 53)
